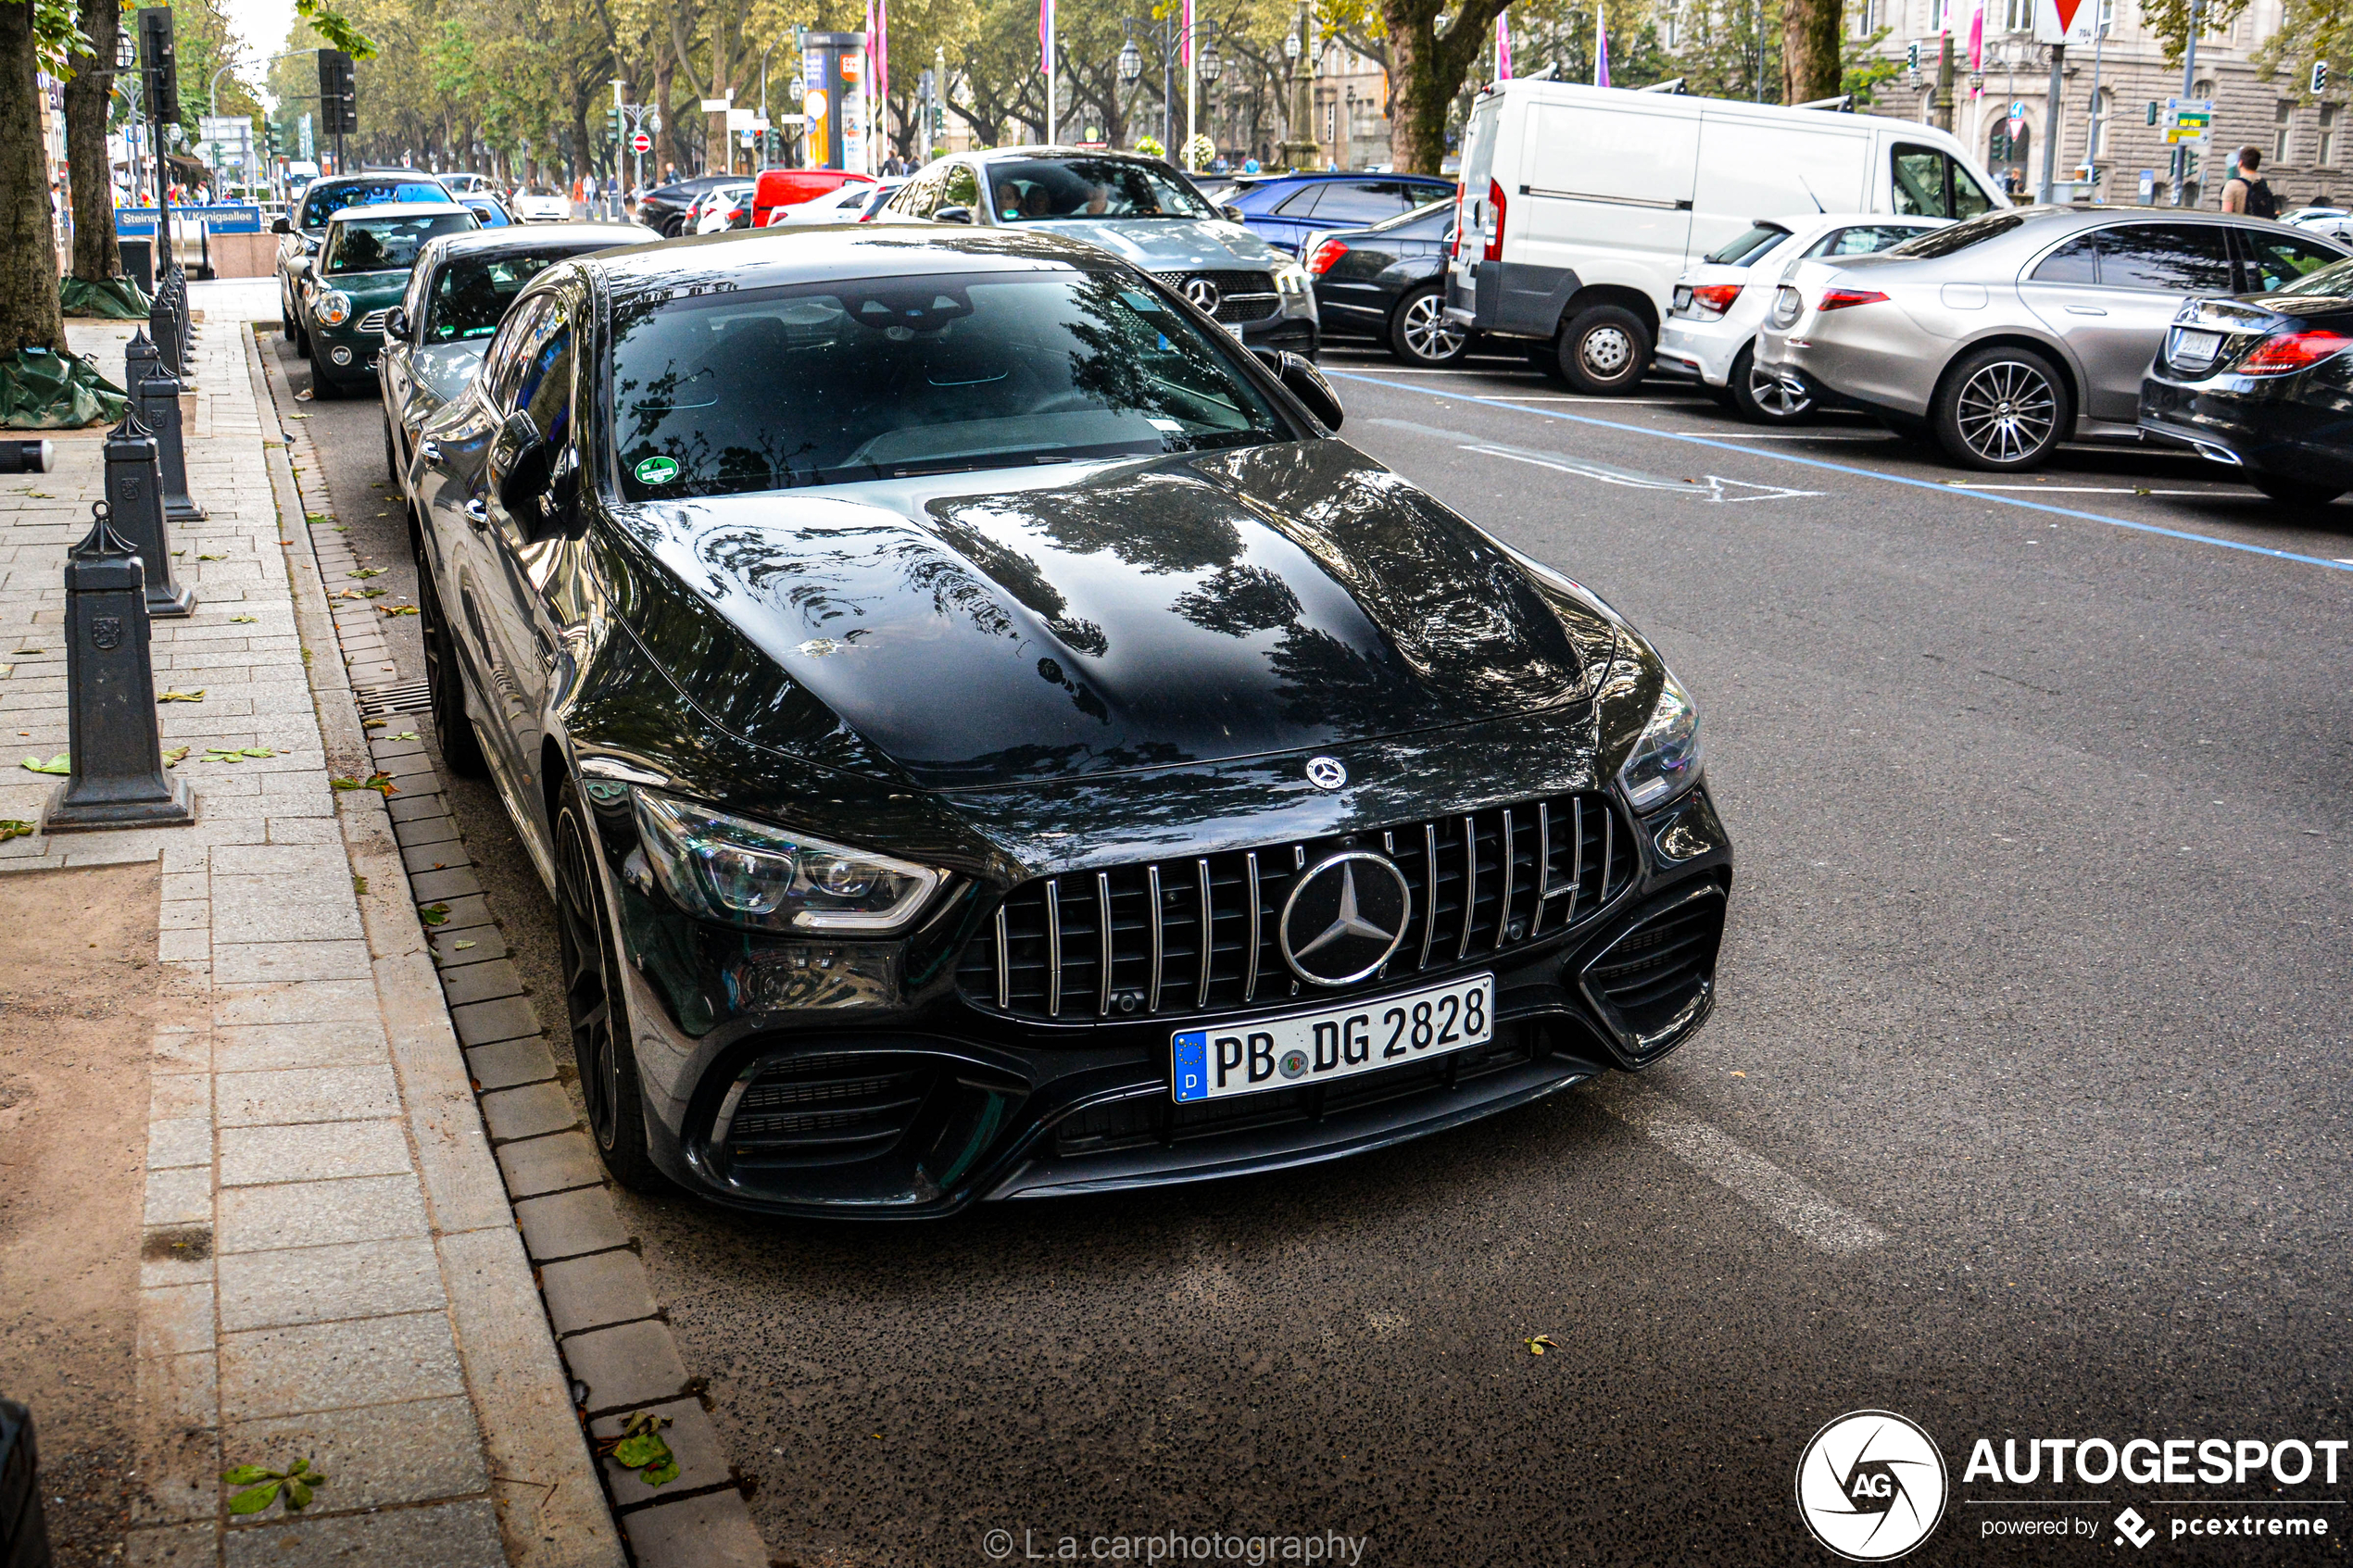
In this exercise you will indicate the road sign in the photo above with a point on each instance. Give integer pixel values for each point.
(2066, 21)
(641, 142)
(224, 129)
(2187, 120)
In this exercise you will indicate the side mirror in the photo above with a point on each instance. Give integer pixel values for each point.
(1307, 383)
(525, 481)
(397, 325)
(1233, 214)
(280, 226)
(952, 215)
(563, 489)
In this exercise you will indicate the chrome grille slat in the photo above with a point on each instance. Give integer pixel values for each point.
(1032, 954)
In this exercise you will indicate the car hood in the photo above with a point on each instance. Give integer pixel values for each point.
(1164, 245)
(1028, 625)
(445, 370)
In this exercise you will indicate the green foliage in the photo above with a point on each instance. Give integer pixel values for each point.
(337, 30)
(58, 38)
(2170, 19)
(263, 1487)
(1862, 69)
(2310, 30)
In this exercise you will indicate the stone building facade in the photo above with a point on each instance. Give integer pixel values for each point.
(2306, 143)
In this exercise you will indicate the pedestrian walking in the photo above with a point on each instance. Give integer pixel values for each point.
(2247, 190)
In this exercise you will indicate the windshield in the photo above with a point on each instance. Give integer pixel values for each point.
(1759, 239)
(470, 296)
(2335, 278)
(384, 245)
(826, 383)
(325, 201)
(1960, 236)
(1032, 188)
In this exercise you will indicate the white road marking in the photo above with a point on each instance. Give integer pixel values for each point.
(1783, 1199)
(1715, 490)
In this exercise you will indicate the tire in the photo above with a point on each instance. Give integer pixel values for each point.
(595, 1001)
(1419, 333)
(324, 388)
(2296, 492)
(1764, 399)
(1603, 350)
(301, 342)
(392, 458)
(2000, 411)
(445, 683)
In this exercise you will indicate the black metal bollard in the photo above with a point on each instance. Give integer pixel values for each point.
(134, 504)
(154, 394)
(163, 328)
(116, 743)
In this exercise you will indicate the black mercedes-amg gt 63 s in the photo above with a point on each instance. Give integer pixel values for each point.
(987, 737)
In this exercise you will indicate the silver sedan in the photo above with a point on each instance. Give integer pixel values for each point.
(2010, 333)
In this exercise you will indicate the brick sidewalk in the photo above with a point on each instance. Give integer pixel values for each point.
(332, 1269)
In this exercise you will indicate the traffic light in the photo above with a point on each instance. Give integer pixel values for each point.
(270, 137)
(612, 124)
(338, 103)
(2000, 145)
(160, 60)
(2320, 77)
(2152, 111)
(1912, 57)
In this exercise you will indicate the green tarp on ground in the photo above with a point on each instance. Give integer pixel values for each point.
(44, 391)
(117, 298)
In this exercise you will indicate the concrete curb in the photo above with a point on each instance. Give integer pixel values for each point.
(551, 1507)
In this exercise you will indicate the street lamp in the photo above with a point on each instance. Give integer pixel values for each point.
(1290, 46)
(1210, 66)
(1131, 63)
(1170, 37)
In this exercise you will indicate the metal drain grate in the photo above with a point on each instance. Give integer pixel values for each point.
(377, 701)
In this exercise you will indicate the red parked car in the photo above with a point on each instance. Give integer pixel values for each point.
(789, 187)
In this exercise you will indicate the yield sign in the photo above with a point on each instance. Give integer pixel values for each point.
(2065, 21)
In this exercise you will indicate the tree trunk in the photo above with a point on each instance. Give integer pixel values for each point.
(95, 254)
(29, 311)
(1810, 50)
(666, 147)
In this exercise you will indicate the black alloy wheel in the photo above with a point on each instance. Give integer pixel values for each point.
(445, 683)
(2296, 492)
(1763, 396)
(1419, 332)
(598, 1013)
(2001, 410)
(1603, 351)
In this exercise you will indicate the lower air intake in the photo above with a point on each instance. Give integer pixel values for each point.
(823, 1110)
(1655, 983)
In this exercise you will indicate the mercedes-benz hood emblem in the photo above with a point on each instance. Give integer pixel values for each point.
(1344, 918)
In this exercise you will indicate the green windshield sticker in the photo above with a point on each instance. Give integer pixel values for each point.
(657, 471)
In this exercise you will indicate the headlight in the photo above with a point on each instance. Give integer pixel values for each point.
(725, 868)
(1291, 279)
(1665, 761)
(334, 308)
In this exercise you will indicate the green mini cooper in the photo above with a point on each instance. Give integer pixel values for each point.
(362, 271)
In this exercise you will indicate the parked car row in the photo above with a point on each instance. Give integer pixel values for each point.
(983, 734)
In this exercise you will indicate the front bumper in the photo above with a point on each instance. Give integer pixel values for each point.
(2296, 427)
(345, 355)
(857, 1079)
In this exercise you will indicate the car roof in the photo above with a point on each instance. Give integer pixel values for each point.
(524, 241)
(402, 209)
(752, 258)
(370, 177)
(1006, 154)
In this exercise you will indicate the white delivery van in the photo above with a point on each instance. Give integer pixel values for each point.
(1581, 205)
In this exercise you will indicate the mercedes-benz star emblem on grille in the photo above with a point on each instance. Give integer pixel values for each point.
(1344, 918)
(1203, 293)
(1325, 773)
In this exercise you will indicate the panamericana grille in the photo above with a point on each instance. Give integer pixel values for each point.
(1242, 296)
(823, 1110)
(1129, 942)
(373, 321)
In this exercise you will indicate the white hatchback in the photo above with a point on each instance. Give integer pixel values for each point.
(539, 204)
(1720, 304)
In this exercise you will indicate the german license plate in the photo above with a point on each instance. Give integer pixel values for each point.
(1253, 1057)
(1682, 297)
(2196, 350)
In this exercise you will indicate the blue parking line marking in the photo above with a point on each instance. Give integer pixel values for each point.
(1842, 468)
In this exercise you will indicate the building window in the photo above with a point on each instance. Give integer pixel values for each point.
(2018, 15)
(2282, 128)
(1671, 27)
(1867, 17)
(1939, 15)
(2325, 154)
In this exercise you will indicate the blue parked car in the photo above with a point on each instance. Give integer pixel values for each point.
(1289, 210)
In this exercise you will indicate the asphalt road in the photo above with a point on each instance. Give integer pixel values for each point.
(2023, 1113)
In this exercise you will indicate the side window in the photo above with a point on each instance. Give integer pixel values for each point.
(961, 188)
(1968, 197)
(2277, 260)
(1302, 202)
(503, 365)
(1864, 239)
(2074, 262)
(545, 389)
(1918, 182)
(918, 197)
(2166, 258)
(1361, 201)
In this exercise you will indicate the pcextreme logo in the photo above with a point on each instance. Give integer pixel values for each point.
(1871, 1485)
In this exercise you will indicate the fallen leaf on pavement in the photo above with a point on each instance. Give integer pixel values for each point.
(176, 754)
(463, 945)
(61, 763)
(1541, 1344)
(640, 1447)
(369, 571)
(196, 695)
(264, 1486)
(242, 619)
(397, 610)
(434, 914)
(11, 828)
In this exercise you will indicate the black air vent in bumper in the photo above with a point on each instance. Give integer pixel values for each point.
(1655, 983)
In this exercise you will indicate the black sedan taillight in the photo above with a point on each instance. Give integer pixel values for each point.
(2285, 353)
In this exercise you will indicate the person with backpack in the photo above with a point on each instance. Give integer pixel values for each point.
(2248, 191)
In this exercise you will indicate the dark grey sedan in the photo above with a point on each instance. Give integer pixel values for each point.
(1387, 280)
(458, 294)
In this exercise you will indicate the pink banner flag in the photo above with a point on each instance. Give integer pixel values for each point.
(1502, 47)
(1977, 38)
(1601, 50)
(882, 63)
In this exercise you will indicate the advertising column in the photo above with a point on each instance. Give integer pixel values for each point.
(833, 63)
